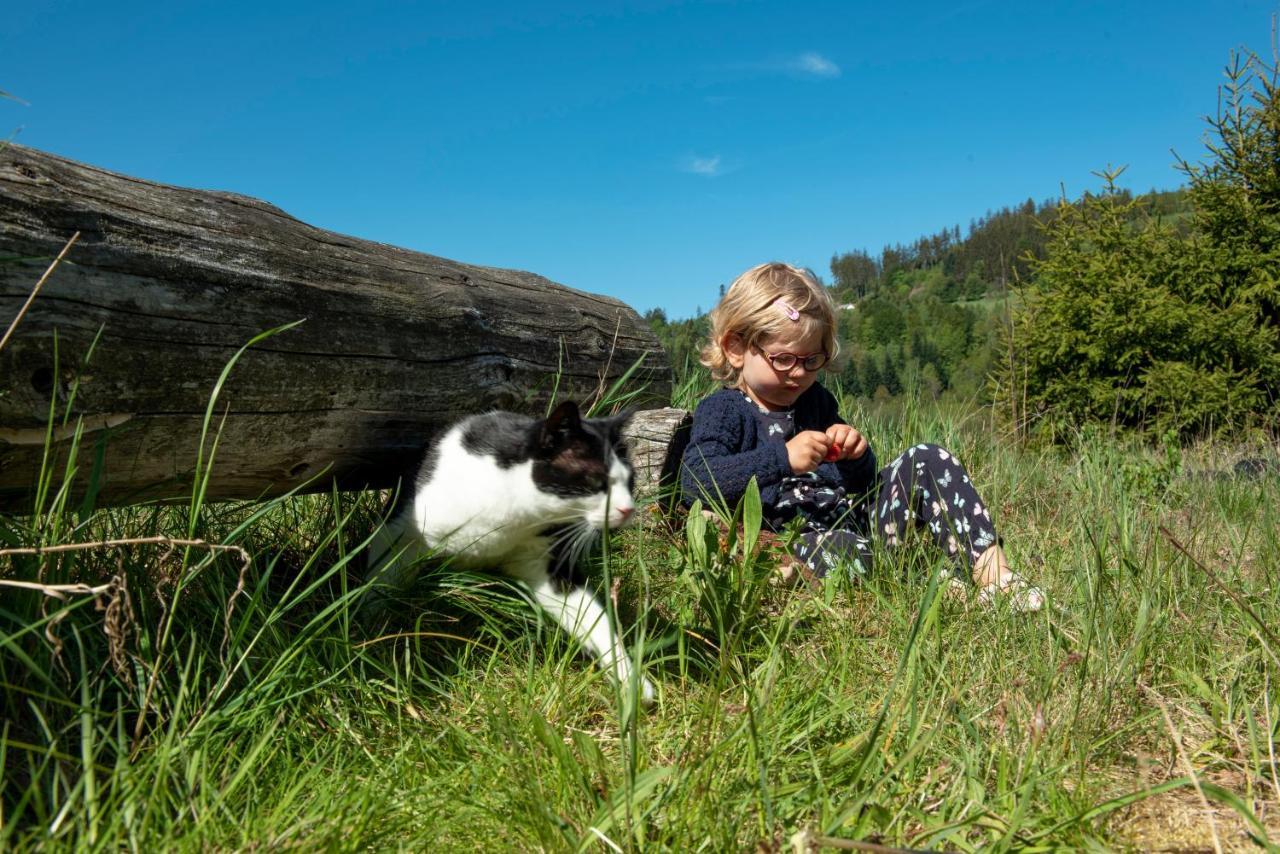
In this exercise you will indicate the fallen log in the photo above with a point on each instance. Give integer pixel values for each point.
(656, 439)
(126, 341)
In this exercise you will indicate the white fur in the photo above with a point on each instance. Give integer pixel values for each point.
(487, 517)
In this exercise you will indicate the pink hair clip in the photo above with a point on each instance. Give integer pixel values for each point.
(787, 308)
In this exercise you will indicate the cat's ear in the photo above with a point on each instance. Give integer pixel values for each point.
(564, 419)
(618, 422)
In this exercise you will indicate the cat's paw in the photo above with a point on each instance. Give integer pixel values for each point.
(648, 696)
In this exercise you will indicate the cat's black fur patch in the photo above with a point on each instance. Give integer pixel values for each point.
(404, 490)
(573, 458)
(568, 451)
(428, 465)
(578, 467)
(505, 437)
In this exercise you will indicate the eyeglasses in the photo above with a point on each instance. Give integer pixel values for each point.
(786, 361)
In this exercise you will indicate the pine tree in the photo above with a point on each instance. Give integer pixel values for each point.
(1237, 194)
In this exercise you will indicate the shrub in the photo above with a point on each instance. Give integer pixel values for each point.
(1131, 321)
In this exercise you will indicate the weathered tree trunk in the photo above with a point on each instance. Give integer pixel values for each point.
(657, 439)
(170, 283)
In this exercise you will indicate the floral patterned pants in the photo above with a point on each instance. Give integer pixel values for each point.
(925, 487)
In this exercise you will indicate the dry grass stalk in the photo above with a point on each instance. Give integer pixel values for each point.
(32, 298)
(118, 607)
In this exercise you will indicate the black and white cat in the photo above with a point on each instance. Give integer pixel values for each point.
(526, 497)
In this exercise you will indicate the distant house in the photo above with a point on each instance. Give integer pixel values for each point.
(847, 306)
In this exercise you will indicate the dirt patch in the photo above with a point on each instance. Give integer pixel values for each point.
(1178, 821)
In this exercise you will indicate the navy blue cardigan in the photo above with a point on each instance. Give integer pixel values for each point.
(728, 445)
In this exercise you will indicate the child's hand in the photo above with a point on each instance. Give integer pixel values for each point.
(805, 451)
(852, 443)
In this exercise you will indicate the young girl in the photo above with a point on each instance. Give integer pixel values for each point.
(770, 335)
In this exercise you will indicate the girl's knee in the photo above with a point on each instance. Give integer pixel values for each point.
(925, 452)
(934, 455)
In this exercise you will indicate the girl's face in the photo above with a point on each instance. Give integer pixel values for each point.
(773, 389)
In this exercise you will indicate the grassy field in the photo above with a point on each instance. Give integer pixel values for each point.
(228, 698)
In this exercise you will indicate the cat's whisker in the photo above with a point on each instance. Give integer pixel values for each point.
(565, 534)
(584, 540)
(573, 541)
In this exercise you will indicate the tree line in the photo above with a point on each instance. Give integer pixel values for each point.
(926, 317)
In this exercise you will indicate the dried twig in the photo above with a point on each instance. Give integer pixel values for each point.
(604, 372)
(231, 605)
(117, 617)
(26, 305)
(108, 544)
(119, 605)
(117, 608)
(57, 591)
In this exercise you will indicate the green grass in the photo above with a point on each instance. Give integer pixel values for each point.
(1139, 710)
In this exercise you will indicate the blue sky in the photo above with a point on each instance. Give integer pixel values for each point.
(648, 150)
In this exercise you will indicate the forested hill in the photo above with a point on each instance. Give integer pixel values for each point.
(925, 315)
(997, 249)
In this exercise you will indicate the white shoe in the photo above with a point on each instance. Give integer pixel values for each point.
(1021, 595)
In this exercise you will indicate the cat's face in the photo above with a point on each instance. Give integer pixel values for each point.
(583, 462)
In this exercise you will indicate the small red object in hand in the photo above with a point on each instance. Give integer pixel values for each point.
(834, 452)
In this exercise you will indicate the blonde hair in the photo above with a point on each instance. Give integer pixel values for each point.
(766, 302)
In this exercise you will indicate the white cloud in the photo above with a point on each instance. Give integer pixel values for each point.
(708, 166)
(815, 64)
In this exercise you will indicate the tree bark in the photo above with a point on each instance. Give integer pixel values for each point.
(128, 337)
(656, 439)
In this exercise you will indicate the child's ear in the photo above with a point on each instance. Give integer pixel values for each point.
(735, 349)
